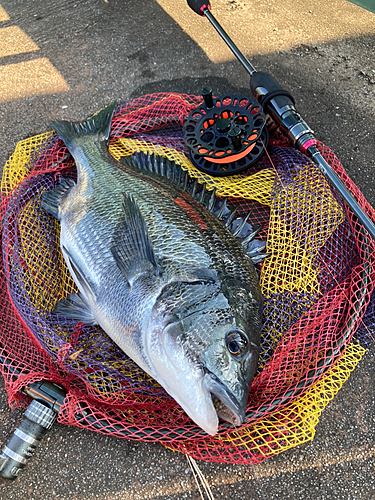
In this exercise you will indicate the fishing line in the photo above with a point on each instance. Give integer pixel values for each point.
(197, 473)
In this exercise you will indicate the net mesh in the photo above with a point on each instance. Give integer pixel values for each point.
(317, 283)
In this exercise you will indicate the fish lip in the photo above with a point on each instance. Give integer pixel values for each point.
(219, 390)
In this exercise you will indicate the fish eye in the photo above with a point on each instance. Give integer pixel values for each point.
(237, 343)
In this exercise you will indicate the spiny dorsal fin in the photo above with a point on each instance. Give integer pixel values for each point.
(166, 168)
(239, 226)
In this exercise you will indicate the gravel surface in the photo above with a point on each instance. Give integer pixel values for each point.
(87, 53)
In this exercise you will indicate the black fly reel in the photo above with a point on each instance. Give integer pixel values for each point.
(225, 135)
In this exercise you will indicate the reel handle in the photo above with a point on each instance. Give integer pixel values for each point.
(279, 104)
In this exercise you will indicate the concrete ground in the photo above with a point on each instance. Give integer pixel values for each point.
(66, 59)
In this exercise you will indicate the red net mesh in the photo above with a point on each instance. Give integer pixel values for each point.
(317, 283)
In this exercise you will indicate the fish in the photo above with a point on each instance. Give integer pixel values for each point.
(164, 267)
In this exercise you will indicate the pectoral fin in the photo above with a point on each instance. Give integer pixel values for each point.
(74, 307)
(131, 245)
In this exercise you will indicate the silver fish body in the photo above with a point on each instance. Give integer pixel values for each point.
(162, 275)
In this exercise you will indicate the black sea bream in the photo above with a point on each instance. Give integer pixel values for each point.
(159, 271)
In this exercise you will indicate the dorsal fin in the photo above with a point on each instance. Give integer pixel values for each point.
(166, 168)
(218, 206)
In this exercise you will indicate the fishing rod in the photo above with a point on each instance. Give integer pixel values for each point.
(280, 105)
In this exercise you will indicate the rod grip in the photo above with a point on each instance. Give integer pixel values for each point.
(198, 5)
(264, 88)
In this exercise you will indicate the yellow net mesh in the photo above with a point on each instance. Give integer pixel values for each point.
(286, 428)
(257, 187)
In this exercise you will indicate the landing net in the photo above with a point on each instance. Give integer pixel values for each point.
(317, 284)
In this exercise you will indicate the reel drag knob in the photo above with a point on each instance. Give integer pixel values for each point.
(223, 125)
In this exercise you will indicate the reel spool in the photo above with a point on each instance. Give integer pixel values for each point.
(225, 135)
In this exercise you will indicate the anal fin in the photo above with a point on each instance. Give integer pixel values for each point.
(74, 307)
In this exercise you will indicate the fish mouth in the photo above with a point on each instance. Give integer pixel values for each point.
(226, 405)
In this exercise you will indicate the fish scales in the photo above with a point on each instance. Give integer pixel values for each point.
(172, 230)
(160, 274)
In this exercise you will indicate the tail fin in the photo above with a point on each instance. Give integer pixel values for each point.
(98, 126)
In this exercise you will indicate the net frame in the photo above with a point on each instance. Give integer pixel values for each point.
(153, 124)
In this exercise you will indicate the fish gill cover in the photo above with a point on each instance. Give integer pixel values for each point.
(317, 284)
